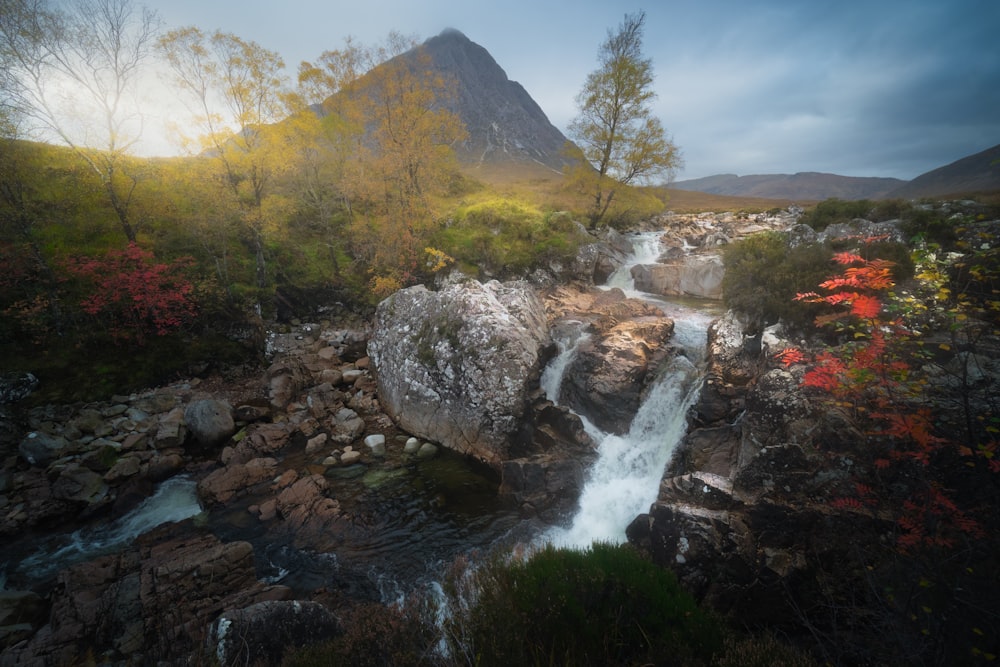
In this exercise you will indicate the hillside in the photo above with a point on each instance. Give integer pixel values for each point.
(804, 185)
(973, 174)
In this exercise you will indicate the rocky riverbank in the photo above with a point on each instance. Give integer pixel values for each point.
(454, 369)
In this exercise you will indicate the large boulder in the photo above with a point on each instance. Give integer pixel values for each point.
(210, 422)
(456, 366)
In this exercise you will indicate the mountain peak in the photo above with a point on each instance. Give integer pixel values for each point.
(452, 33)
(504, 123)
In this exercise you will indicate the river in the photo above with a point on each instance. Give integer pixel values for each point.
(412, 519)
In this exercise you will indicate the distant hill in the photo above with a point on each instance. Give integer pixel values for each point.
(803, 186)
(975, 173)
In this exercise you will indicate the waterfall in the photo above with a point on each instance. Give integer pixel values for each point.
(567, 340)
(647, 248)
(625, 479)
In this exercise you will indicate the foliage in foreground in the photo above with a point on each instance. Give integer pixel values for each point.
(603, 606)
(924, 476)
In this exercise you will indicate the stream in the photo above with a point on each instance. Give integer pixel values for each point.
(413, 518)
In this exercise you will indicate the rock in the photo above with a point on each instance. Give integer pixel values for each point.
(412, 446)
(697, 275)
(322, 399)
(17, 607)
(16, 386)
(609, 374)
(309, 514)
(286, 378)
(427, 451)
(210, 422)
(221, 485)
(346, 426)
(125, 467)
(263, 632)
(456, 366)
(347, 458)
(39, 448)
(316, 443)
(171, 430)
(376, 443)
(150, 604)
(542, 484)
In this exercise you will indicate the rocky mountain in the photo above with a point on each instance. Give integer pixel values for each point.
(504, 124)
(503, 121)
(976, 173)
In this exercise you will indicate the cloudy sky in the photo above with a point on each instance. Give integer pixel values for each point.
(853, 87)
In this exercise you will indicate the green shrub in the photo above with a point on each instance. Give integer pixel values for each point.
(762, 651)
(505, 237)
(763, 275)
(606, 605)
(374, 635)
(834, 211)
(930, 225)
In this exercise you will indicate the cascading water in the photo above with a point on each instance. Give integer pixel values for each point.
(174, 500)
(625, 479)
(647, 248)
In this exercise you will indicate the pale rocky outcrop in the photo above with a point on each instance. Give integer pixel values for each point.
(455, 366)
(697, 275)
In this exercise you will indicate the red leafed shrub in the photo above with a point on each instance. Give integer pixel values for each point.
(133, 295)
(873, 376)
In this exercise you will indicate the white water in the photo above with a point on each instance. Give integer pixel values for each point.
(174, 500)
(647, 249)
(567, 343)
(625, 479)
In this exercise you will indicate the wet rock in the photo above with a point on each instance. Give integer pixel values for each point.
(427, 451)
(610, 373)
(376, 444)
(696, 275)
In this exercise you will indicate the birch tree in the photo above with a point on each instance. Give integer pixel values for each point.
(239, 99)
(621, 141)
(73, 72)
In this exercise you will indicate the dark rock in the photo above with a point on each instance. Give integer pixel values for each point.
(210, 422)
(16, 386)
(39, 448)
(263, 632)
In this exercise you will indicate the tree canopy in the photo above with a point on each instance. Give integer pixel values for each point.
(621, 141)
